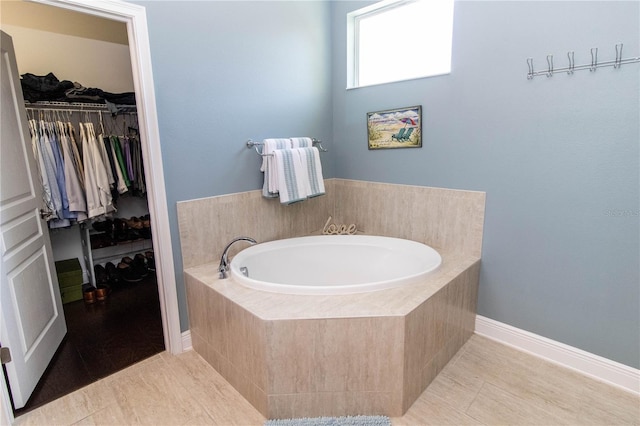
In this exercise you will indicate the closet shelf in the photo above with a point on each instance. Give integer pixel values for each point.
(94, 255)
(100, 241)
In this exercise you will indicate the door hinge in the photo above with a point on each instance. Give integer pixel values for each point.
(5, 355)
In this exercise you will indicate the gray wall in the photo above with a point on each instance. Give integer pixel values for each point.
(558, 157)
(225, 72)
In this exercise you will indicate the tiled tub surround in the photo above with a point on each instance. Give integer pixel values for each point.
(368, 353)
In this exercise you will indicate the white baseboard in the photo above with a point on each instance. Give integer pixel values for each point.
(591, 365)
(186, 341)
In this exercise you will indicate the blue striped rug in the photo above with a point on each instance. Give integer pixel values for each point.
(332, 421)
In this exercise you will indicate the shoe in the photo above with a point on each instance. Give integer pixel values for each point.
(134, 223)
(151, 261)
(146, 221)
(105, 228)
(102, 225)
(100, 240)
(121, 230)
(140, 265)
(145, 232)
(113, 277)
(100, 274)
(89, 295)
(128, 273)
(102, 292)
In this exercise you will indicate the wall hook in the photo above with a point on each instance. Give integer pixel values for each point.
(618, 62)
(572, 62)
(550, 64)
(530, 65)
(594, 59)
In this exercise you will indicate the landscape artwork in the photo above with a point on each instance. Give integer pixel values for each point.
(395, 128)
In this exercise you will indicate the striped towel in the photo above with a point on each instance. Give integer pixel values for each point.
(270, 186)
(312, 169)
(292, 182)
(301, 142)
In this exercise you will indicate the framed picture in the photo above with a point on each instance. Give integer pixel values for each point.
(395, 128)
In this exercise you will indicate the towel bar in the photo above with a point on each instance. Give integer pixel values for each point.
(252, 144)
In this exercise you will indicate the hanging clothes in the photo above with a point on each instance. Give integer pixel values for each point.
(64, 215)
(127, 155)
(82, 172)
(137, 165)
(122, 183)
(75, 191)
(48, 208)
(75, 153)
(99, 199)
(50, 170)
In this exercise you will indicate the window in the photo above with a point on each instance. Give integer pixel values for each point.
(396, 40)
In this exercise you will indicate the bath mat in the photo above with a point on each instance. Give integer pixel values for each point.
(332, 421)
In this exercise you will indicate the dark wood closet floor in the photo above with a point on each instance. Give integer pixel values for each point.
(103, 338)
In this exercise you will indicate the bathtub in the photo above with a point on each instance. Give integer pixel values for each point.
(333, 264)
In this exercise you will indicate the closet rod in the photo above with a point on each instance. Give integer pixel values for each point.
(79, 107)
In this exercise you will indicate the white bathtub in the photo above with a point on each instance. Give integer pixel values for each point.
(333, 264)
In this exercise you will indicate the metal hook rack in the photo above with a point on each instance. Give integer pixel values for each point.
(253, 144)
(617, 63)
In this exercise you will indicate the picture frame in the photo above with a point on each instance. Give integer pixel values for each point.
(395, 128)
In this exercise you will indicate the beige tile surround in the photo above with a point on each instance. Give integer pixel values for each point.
(370, 353)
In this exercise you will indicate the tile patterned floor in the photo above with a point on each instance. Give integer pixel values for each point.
(485, 384)
(103, 338)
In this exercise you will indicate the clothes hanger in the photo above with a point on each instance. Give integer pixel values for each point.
(101, 122)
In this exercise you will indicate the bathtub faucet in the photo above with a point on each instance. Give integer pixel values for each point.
(224, 262)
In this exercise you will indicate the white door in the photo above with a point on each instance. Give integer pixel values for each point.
(32, 320)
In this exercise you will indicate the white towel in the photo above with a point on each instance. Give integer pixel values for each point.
(292, 169)
(270, 186)
(301, 142)
(292, 183)
(312, 170)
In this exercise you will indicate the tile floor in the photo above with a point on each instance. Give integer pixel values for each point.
(486, 383)
(103, 338)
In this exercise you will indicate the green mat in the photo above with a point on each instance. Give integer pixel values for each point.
(332, 421)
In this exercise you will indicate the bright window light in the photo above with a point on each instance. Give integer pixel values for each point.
(397, 40)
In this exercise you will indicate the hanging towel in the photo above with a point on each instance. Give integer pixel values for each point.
(290, 174)
(301, 142)
(270, 187)
(312, 171)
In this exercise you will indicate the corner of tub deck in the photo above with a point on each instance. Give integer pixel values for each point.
(205, 273)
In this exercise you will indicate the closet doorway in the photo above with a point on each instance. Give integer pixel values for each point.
(162, 297)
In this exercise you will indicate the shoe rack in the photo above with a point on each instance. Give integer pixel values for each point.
(97, 253)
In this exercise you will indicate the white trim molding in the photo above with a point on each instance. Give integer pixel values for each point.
(186, 341)
(586, 363)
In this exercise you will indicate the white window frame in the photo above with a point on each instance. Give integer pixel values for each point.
(353, 42)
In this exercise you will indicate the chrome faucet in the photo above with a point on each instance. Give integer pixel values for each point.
(224, 261)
